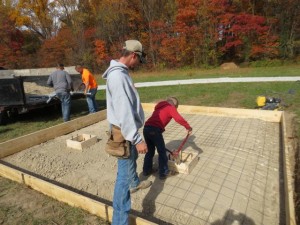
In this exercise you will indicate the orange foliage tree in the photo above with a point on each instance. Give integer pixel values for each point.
(100, 52)
(59, 49)
(11, 40)
(248, 37)
(174, 33)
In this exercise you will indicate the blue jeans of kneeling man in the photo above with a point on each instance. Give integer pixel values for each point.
(126, 178)
(91, 100)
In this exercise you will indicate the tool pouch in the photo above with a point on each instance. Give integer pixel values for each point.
(116, 144)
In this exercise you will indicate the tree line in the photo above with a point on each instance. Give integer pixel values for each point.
(175, 33)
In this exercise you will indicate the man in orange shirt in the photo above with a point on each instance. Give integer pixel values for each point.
(90, 87)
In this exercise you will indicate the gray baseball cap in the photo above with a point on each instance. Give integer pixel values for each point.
(136, 47)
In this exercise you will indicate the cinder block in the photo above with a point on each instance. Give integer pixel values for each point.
(185, 162)
(81, 141)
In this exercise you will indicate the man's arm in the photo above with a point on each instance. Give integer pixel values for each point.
(50, 81)
(141, 147)
(123, 102)
(69, 80)
(179, 119)
(86, 80)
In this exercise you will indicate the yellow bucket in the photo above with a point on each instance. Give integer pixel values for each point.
(261, 101)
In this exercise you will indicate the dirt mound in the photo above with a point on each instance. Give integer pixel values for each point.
(33, 88)
(229, 66)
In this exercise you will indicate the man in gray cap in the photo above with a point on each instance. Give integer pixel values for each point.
(125, 113)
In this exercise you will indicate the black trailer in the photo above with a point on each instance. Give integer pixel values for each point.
(14, 100)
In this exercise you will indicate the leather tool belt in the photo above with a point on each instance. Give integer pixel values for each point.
(116, 144)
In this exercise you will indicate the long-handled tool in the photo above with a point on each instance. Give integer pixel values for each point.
(175, 154)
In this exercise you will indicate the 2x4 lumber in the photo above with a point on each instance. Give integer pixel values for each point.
(266, 115)
(18, 144)
(288, 184)
(64, 195)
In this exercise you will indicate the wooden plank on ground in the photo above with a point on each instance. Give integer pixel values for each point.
(288, 176)
(18, 144)
(266, 115)
(64, 195)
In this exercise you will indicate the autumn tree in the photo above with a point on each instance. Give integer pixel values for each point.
(58, 49)
(283, 17)
(38, 16)
(11, 38)
(179, 45)
(158, 19)
(288, 16)
(175, 33)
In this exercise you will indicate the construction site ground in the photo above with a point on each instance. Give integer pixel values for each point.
(238, 178)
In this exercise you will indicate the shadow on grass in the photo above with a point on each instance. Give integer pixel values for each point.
(53, 113)
(42, 118)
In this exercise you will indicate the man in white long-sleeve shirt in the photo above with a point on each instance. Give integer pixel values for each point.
(124, 111)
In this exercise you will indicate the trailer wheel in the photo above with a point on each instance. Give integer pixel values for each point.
(3, 118)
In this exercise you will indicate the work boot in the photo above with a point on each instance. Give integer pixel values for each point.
(165, 176)
(148, 173)
(142, 185)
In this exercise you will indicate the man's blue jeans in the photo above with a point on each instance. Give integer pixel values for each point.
(154, 139)
(126, 178)
(65, 99)
(91, 100)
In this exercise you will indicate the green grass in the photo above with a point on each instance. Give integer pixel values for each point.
(21, 205)
(43, 118)
(181, 74)
(237, 95)
(240, 95)
(231, 95)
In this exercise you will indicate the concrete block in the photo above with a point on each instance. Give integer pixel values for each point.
(81, 141)
(185, 163)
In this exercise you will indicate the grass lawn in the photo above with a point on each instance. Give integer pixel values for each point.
(233, 95)
(182, 74)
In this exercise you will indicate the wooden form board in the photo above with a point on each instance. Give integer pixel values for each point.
(64, 195)
(61, 194)
(19, 144)
(187, 161)
(36, 72)
(81, 141)
(288, 176)
(266, 115)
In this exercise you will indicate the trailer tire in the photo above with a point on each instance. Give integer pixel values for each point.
(3, 118)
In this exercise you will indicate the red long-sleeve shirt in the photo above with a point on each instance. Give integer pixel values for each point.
(162, 115)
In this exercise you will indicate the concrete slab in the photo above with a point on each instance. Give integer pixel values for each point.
(237, 180)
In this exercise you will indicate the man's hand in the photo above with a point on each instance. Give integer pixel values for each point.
(190, 131)
(141, 147)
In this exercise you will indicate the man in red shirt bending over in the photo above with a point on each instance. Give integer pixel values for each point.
(164, 111)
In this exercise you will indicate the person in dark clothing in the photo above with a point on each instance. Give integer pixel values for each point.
(164, 111)
(62, 83)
